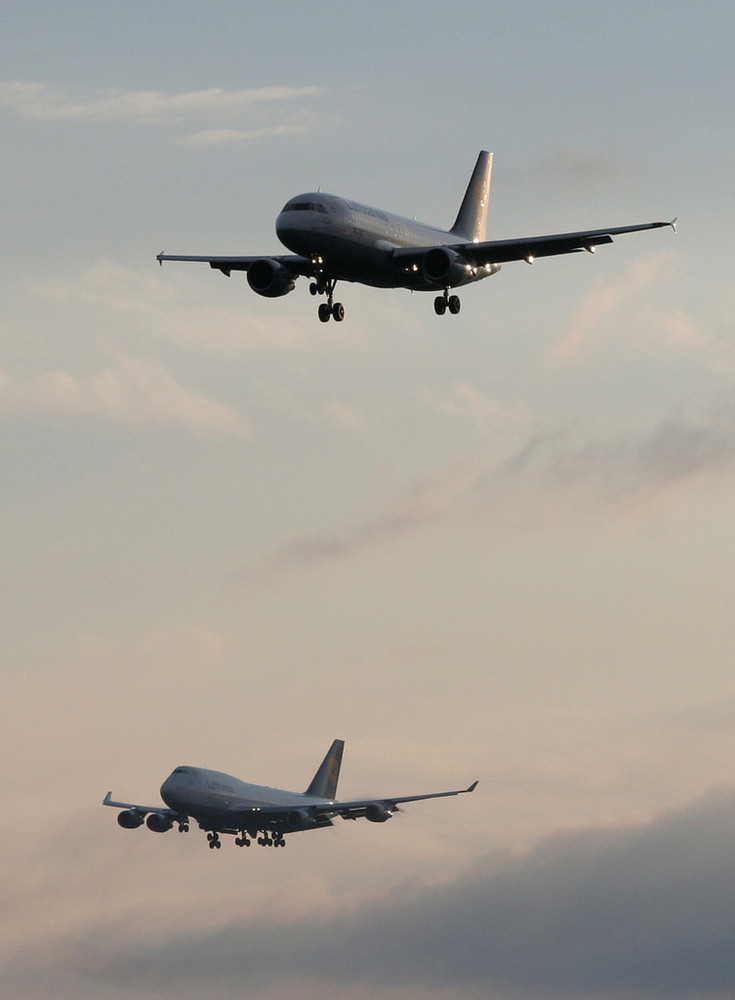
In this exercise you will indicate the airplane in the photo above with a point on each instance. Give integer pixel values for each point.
(221, 804)
(333, 239)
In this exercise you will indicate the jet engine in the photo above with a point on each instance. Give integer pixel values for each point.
(130, 819)
(377, 813)
(158, 823)
(300, 819)
(445, 268)
(269, 278)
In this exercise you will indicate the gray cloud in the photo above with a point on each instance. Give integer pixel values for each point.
(641, 911)
(597, 474)
(682, 446)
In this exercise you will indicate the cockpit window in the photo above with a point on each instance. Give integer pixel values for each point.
(304, 206)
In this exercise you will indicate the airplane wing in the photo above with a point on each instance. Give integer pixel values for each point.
(296, 265)
(320, 813)
(142, 810)
(528, 248)
(380, 809)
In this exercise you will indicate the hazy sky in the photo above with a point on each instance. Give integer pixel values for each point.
(495, 546)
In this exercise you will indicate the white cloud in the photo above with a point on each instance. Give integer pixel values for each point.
(41, 102)
(605, 302)
(220, 136)
(164, 303)
(131, 391)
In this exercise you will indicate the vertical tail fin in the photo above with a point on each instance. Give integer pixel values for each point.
(472, 218)
(324, 782)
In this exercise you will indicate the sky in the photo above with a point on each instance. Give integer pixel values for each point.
(495, 546)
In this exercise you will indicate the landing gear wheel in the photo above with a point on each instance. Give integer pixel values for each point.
(454, 304)
(338, 311)
(440, 305)
(325, 312)
(313, 288)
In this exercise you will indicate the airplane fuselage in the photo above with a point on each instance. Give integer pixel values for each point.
(217, 800)
(358, 241)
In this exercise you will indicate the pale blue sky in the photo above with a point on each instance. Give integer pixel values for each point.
(495, 546)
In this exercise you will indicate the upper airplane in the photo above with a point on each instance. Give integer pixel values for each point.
(222, 804)
(334, 239)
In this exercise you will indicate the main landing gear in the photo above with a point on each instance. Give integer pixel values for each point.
(328, 309)
(447, 301)
(272, 839)
(266, 839)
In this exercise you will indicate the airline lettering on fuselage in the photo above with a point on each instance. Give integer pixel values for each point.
(374, 213)
(219, 786)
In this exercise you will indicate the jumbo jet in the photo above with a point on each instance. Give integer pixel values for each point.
(221, 804)
(333, 239)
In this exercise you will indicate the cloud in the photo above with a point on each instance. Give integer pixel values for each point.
(605, 301)
(432, 500)
(641, 911)
(220, 136)
(40, 102)
(165, 304)
(223, 116)
(131, 391)
(554, 475)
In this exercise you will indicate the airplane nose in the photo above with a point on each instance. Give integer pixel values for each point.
(171, 789)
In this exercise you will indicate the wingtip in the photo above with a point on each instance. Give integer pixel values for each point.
(674, 222)
(472, 787)
(107, 798)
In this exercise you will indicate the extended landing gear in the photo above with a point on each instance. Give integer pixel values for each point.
(266, 838)
(447, 301)
(271, 839)
(329, 309)
(183, 826)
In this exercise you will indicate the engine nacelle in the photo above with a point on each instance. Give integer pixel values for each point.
(158, 823)
(130, 819)
(300, 819)
(269, 278)
(377, 813)
(445, 268)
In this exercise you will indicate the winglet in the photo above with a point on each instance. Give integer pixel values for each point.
(107, 799)
(472, 787)
(673, 222)
(159, 258)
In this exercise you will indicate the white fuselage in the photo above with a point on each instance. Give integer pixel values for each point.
(357, 241)
(214, 799)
